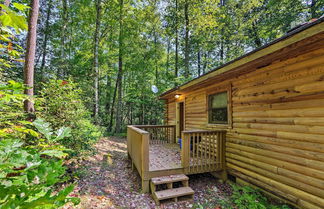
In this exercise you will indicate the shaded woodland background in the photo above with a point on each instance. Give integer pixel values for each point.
(115, 50)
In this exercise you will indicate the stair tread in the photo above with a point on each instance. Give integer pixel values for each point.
(175, 192)
(169, 179)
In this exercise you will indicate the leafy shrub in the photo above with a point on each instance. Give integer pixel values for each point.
(12, 23)
(31, 159)
(248, 198)
(240, 198)
(60, 103)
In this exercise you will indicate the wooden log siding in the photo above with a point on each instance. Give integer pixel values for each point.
(277, 135)
(171, 117)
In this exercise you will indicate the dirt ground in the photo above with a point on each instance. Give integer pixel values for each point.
(107, 181)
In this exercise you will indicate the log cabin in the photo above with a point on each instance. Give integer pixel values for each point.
(258, 120)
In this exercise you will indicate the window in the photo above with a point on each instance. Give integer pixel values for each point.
(217, 108)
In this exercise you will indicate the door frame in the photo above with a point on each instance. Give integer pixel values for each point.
(178, 117)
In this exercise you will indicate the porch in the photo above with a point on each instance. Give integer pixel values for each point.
(154, 151)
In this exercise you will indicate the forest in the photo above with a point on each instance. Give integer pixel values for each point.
(74, 71)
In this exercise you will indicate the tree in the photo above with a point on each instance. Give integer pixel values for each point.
(120, 70)
(46, 36)
(186, 8)
(95, 59)
(30, 55)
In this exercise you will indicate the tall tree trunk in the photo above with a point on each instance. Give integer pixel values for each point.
(186, 8)
(46, 34)
(108, 97)
(120, 70)
(205, 62)
(95, 61)
(199, 61)
(30, 55)
(62, 68)
(176, 45)
(156, 60)
(112, 110)
(168, 57)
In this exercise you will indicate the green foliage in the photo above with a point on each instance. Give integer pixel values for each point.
(31, 162)
(12, 22)
(11, 102)
(245, 197)
(242, 197)
(61, 104)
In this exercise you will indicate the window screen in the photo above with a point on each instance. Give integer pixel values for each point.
(217, 108)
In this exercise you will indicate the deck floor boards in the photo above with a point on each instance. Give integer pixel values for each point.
(164, 156)
(168, 156)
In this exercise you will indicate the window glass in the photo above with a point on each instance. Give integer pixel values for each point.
(217, 109)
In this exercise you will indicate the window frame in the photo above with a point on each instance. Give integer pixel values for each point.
(228, 90)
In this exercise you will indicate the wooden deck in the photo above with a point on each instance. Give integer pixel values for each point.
(164, 157)
(154, 154)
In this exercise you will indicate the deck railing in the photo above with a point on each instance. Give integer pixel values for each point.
(139, 137)
(138, 148)
(160, 134)
(203, 151)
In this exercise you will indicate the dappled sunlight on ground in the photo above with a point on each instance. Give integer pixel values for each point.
(107, 181)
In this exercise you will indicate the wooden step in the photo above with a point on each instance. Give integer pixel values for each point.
(169, 179)
(173, 193)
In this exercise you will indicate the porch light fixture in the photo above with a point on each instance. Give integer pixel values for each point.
(177, 96)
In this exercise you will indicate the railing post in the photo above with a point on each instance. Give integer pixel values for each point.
(223, 174)
(145, 162)
(185, 151)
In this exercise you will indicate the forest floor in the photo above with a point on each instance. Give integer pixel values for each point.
(106, 180)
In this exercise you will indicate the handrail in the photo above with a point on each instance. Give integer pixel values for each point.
(153, 126)
(202, 131)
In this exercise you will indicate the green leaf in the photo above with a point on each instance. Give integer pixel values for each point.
(20, 7)
(54, 153)
(62, 133)
(43, 127)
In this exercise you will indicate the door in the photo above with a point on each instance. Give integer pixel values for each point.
(180, 119)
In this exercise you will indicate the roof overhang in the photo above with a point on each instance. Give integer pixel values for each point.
(287, 45)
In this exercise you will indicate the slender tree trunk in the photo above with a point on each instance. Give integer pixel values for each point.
(95, 60)
(156, 60)
(176, 44)
(199, 61)
(168, 56)
(46, 34)
(205, 62)
(108, 97)
(112, 110)
(30, 55)
(186, 8)
(120, 70)
(62, 69)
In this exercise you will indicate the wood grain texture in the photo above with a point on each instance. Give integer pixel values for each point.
(276, 141)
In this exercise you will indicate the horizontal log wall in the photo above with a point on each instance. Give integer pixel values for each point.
(171, 113)
(277, 137)
(278, 130)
